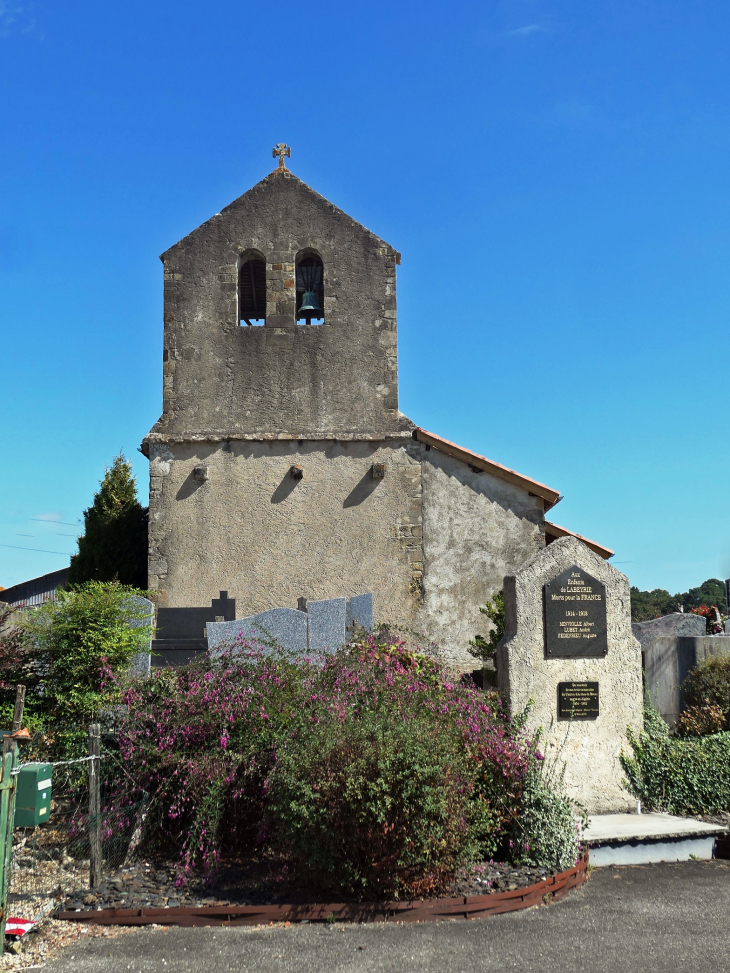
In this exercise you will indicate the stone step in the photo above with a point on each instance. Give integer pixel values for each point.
(639, 839)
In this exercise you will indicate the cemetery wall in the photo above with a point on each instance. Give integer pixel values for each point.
(432, 539)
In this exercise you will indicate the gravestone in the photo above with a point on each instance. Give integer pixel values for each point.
(586, 686)
(359, 613)
(287, 627)
(672, 646)
(141, 662)
(326, 624)
(315, 626)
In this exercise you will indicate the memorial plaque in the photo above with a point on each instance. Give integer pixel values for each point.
(575, 616)
(577, 700)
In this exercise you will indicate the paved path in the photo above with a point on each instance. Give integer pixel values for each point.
(653, 918)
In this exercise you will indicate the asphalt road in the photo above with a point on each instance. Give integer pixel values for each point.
(653, 918)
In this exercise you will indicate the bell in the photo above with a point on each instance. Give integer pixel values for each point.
(310, 303)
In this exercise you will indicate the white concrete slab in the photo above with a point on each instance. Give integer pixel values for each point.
(635, 827)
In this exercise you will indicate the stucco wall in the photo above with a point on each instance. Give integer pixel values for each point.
(268, 539)
(432, 539)
(476, 528)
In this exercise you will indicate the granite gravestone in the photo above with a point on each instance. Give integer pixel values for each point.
(140, 665)
(286, 627)
(316, 626)
(583, 699)
(326, 624)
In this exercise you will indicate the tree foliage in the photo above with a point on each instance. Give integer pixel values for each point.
(69, 654)
(114, 544)
(652, 604)
(484, 648)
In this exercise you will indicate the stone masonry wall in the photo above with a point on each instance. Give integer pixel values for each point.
(268, 539)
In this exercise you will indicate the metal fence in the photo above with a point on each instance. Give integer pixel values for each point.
(54, 860)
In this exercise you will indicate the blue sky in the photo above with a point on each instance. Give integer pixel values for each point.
(555, 174)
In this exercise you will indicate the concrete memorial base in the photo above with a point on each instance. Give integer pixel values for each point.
(639, 839)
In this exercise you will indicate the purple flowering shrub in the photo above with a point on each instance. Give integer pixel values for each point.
(369, 771)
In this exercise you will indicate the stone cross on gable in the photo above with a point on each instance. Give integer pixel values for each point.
(282, 150)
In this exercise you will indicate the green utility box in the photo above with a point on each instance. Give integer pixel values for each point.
(33, 795)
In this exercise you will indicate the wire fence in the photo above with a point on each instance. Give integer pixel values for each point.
(52, 860)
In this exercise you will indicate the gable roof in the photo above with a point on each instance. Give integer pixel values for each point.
(277, 180)
(554, 531)
(550, 496)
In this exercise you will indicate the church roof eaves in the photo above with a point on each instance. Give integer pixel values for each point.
(555, 531)
(550, 496)
(287, 174)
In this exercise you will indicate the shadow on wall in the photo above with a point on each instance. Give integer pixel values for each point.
(362, 490)
(285, 488)
(511, 498)
(189, 485)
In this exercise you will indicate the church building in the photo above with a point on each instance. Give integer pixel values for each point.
(281, 467)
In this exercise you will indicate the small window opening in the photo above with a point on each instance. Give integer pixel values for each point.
(310, 291)
(252, 292)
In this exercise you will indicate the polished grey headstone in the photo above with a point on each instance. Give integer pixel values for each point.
(326, 624)
(359, 612)
(286, 627)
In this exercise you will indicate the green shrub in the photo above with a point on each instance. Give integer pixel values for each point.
(676, 774)
(480, 647)
(545, 832)
(375, 806)
(709, 684)
(69, 654)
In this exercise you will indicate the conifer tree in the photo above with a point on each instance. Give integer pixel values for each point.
(114, 545)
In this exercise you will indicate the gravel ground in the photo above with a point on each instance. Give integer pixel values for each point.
(148, 885)
(49, 938)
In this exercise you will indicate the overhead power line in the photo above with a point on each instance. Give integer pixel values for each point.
(37, 549)
(42, 520)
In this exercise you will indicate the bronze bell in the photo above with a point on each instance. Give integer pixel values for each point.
(310, 304)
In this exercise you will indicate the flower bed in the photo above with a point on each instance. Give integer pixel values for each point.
(368, 773)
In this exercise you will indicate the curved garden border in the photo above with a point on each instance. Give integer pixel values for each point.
(421, 910)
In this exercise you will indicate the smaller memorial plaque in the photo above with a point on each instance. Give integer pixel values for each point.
(577, 700)
(575, 616)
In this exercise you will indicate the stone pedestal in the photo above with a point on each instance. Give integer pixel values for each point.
(586, 686)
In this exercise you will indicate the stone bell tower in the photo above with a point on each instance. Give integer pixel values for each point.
(240, 361)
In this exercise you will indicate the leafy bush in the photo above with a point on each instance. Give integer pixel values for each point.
(700, 721)
(369, 771)
(678, 775)
(545, 832)
(709, 684)
(375, 806)
(69, 653)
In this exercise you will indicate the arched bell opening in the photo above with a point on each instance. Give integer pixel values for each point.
(252, 290)
(310, 288)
